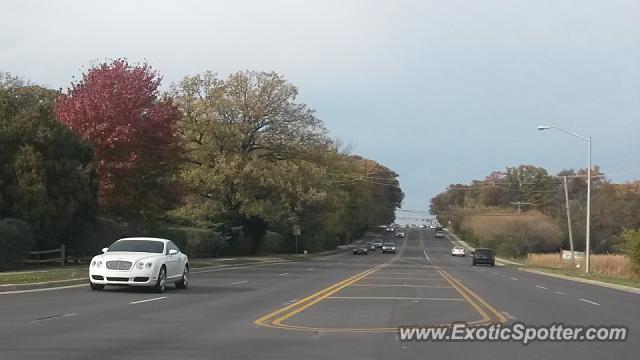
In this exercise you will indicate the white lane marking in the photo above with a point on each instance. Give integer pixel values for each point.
(560, 293)
(495, 273)
(195, 271)
(542, 287)
(590, 302)
(239, 282)
(310, 269)
(147, 300)
(283, 274)
(509, 316)
(52, 317)
(425, 255)
(39, 290)
(512, 278)
(392, 298)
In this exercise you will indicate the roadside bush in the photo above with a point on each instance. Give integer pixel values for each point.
(515, 234)
(240, 244)
(16, 239)
(631, 247)
(272, 242)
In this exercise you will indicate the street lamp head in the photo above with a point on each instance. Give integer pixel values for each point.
(544, 127)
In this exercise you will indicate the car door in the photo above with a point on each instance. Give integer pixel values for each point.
(173, 261)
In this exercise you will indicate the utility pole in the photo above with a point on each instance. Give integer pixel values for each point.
(566, 200)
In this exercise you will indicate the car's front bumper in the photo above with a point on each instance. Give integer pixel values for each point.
(133, 277)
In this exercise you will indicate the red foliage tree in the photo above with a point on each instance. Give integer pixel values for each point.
(115, 108)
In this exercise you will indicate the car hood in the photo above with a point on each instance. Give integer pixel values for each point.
(126, 256)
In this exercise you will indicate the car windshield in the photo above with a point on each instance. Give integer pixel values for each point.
(150, 246)
(389, 244)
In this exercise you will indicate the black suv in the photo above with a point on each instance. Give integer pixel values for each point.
(484, 256)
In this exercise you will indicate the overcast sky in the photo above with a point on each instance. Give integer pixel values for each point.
(440, 91)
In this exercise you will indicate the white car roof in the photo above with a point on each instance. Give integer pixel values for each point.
(145, 238)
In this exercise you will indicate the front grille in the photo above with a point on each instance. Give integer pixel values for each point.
(141, 279)
(117, 279)
(119, 265)
(97, 277)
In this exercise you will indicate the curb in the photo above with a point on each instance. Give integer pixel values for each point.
(43, 285)
(626, 288)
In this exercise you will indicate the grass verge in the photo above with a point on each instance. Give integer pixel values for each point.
(633, 282)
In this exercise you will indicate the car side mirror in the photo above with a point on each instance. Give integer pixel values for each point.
(173, 252)
(104, 250)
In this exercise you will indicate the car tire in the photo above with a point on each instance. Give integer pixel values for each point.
(161, 284)
(96, 287)
(493, 264)
(184, 282)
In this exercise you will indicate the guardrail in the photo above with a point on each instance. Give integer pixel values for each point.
(39, 260)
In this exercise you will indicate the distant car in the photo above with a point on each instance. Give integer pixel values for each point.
(389, 248)
(458, 251)
(140, 261)
(432, 227)
(377, 244)
(389, 229)
(439, 232)
(400, 234)
(360, 250)
(371, 246)
(484, 256)
(422, 226)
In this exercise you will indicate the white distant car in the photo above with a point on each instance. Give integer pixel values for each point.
(432, 227)
(400, 234)
(458, 251)
(140, 261)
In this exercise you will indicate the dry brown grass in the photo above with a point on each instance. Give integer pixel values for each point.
(613, 265)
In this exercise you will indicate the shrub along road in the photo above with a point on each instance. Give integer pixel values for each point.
(339, 306)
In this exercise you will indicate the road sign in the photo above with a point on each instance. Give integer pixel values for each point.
(296, 230)
(566, 254)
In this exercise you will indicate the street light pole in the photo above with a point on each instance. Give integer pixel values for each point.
(588, 247)
(587, 252)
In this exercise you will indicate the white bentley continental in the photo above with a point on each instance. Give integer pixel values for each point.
(140, 261)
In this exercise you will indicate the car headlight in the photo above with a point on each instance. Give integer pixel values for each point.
(139, 265)
(149, 265)
(93, 263)
(99, 263)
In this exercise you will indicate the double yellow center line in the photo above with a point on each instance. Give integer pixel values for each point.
(276, 319)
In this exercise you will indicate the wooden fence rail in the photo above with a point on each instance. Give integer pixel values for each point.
(38, 256)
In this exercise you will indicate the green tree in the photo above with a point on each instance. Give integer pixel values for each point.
(46, 174)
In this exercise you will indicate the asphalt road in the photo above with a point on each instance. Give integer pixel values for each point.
(338, 307)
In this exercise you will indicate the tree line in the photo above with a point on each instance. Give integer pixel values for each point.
(522, 209)
(222, 165)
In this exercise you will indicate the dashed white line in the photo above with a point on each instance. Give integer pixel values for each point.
(283, 274)
(147, 300)
(560, 293)
(590, 302)
(239, 282)
(512, 278)
(309, 269)
(425, 254)
(542, 287)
